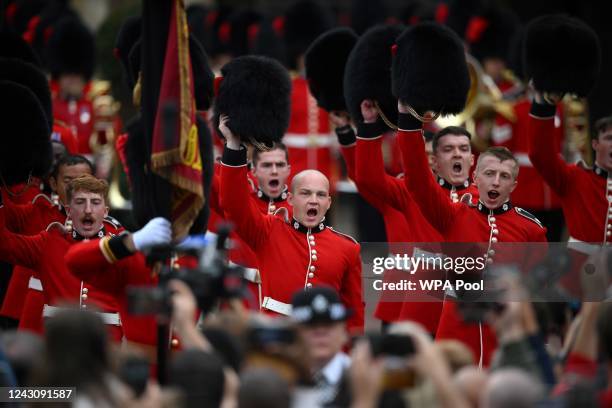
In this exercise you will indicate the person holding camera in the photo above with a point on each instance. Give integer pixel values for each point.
(291, 254)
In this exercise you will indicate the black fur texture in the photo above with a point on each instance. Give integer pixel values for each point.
(562, 54)
(429, 69)
(31, 77)
(368, 71)
(71, 49)
(13, 46)
(25, 147)
(256, 95)
(325, 62)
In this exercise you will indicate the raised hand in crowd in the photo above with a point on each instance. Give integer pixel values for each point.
(369, 111)
(232, 141)
(157, 232)
(339, 119)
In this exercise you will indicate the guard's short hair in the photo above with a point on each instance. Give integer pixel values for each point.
(72, 160)
(449, 130)
(275, 146)
(503, 154)
(602, 125)
(89, 184)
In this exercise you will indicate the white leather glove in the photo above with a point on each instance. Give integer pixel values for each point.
(158, 231)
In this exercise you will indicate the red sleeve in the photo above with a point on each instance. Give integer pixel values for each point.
(87, 262)
(214, 198)
(433, 202)
(108, 268)
(18, 216)
(542, 150)
(251, 225)
(348, 153)
(120, 148)
(351, 293)
(19, 249)
(377, 187)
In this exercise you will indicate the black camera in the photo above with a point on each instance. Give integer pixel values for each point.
(211, 280)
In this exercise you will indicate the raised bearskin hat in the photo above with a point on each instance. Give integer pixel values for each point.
(13, 46)
(562, 55)
(368, 71)
(25, 146)
(490, 34)
(304, 21)
(255, 94)
(429, 69)
(202, 73)
(28, 75)
(70, 49)
(325, 62)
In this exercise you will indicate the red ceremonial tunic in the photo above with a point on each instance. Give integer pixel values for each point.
(586, 194)
(459, 222)
(27, 219)
(45, 253)
(290, 256)
(531, 191)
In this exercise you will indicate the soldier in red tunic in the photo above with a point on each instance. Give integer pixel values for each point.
(112, 263)
(24, 298)
(45, 252)
(271, 170)
(297, 253)
(493, 220)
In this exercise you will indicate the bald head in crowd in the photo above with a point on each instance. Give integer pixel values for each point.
(471, 381)
(309, 197)
(511, 388)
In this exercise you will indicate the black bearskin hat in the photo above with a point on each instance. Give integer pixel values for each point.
(71, 49)
(13, 46)
(256, 95)
(368, 71)
(25, 148)
(28, 75)
(325, 62)
(562, 54)
(429, 69)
